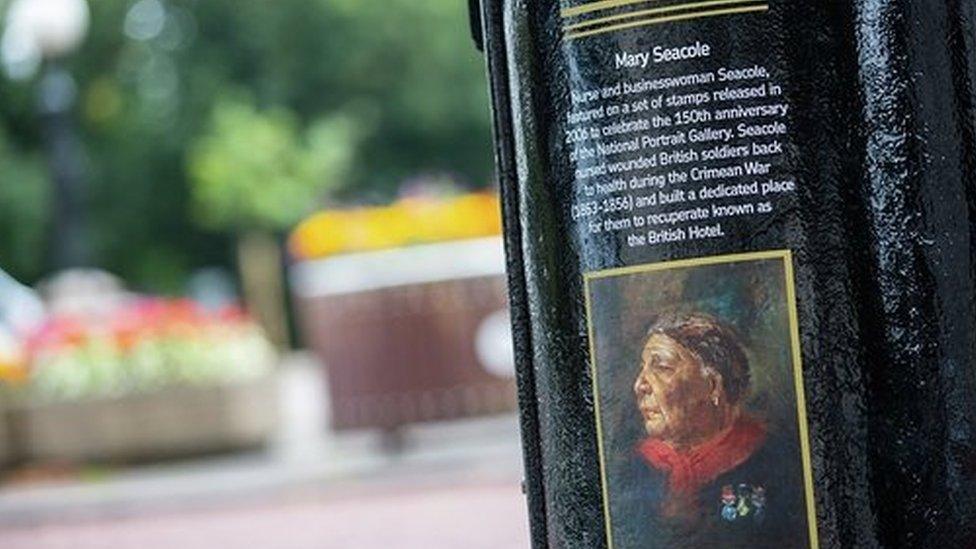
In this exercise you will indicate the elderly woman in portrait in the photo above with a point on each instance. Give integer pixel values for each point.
(693, 379)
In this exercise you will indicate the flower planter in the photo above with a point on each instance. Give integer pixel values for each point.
(170, 422)
(6, 448)
(402, 332)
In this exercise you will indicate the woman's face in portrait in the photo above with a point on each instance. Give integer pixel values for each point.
(680, 400)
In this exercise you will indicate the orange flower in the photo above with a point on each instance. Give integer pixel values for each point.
(13, 362)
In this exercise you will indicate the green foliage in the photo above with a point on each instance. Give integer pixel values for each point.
(397, 82)
(255, 170)
(24, 208)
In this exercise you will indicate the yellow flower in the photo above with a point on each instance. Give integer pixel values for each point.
(405, 222)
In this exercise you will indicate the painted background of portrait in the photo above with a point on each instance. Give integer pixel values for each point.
(751, 296)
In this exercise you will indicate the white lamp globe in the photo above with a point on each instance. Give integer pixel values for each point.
(57, 27)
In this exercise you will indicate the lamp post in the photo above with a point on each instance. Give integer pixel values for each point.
(49, 30)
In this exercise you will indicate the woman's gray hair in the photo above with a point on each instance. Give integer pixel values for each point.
(715, 342)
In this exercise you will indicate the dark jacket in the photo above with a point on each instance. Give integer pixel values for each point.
(639, 492)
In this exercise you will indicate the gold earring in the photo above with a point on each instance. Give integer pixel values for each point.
(715, 400)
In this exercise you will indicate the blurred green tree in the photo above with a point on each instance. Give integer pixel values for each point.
(254, 170)
(254, 173)
(23, 209)
(154, 76)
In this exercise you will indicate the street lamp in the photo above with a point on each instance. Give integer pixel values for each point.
(48, 30)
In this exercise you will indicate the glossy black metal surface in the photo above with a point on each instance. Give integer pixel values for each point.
(882, 144)
(916, 291)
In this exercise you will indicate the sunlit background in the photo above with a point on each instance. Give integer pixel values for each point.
(251, 278)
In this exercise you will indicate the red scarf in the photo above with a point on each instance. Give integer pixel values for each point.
(690, 469)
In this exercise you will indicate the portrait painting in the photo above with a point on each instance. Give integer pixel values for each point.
(698, 395)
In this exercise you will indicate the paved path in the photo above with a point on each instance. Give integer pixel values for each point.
(453, 485)
(468, 516)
